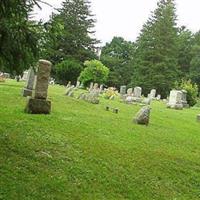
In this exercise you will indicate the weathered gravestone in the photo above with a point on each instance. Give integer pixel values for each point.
(93, 96)
(68, 84)
(153, 93)
(123, 90)
(130, 91)
(78, 83)
(184, 99)
(38, 104)
(198, 118)
(137, 94)
(25, 75)
(142, 117)
(158, 97)
(175, 100)
(70, 90)
(91, 86)
(28, 90)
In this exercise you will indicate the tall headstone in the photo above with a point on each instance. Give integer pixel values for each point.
(91, 86)
(175, 100)
(78, 84)
(123, 90)
(28, 90)
(38, 104)
(153, 94)
(101, 88)
(137, 92)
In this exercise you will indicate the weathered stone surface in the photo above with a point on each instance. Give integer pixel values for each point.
(69, 90)
(137, 92)
(147, 101)
(198, 118)
(27, 91)
(123, 90)
(130, 91)
(142, 117)
(184, 99)
(152, 94)
(175, 100)
(42, 81)
(38, 106)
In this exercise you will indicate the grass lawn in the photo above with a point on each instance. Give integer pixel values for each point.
(82, 152)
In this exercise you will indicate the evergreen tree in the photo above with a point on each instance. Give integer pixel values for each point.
(18, 36)
(118, 56)
(156, 55)
(70, 33)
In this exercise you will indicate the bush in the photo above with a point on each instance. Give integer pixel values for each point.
(95, 72)
(67, 70)
(110, 92)
(192, 91)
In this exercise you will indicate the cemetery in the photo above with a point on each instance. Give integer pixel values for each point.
(81, 121)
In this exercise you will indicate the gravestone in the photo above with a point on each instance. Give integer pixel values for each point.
(130, 91)
(101, 88)
(137, 92)
(184, 99)
(28, 90)
(68, 84)
(78, 84)
(153, 93)
(142, 117)
(38, 104)
(158, 97)
(123, 90)
(91, 86)
(175, 100)
(198, 118)
(25, 75)
(69, 90)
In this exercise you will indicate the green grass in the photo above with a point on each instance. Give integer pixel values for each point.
(81, 151)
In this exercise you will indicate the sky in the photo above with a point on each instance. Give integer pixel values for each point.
(125, 18)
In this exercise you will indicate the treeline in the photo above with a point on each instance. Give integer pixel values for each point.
(162, 55)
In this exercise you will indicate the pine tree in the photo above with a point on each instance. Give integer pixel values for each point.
(18, 36)
(156, 55)
(70, 32)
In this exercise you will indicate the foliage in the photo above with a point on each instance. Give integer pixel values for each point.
(118, 55)
(110, 92)
(195, 65)
(192, 91)
(155, 63)
(95, 72)
(67, 70)
(18, 36)
(69, 34)
(185, 43)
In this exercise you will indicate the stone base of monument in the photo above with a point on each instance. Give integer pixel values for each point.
(38, 106)
(26, 92)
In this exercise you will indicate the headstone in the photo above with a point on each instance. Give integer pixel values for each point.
(175, 100)
(123, 90)
(101, 88)
(137, 92)
(69, 90)
(78, 84)
(129, 99)
(91, 86)
(147, 101)
(28, 90)
(68, 84)
(184, 99)
(142, 117)
(52, 81)
(130, 91)
(25, 75)
(198, 118)
(153, 93)
(158, 97)
(38, 104)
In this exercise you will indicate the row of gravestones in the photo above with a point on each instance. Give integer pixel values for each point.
(177, 98)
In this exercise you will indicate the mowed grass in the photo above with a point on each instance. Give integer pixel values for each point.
(81, 151)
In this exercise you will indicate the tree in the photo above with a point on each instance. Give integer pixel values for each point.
(155, 65)
(18, 36)
(69, 34)
(185, 43)
(67, 70)
(118, 55)
(95, 72)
